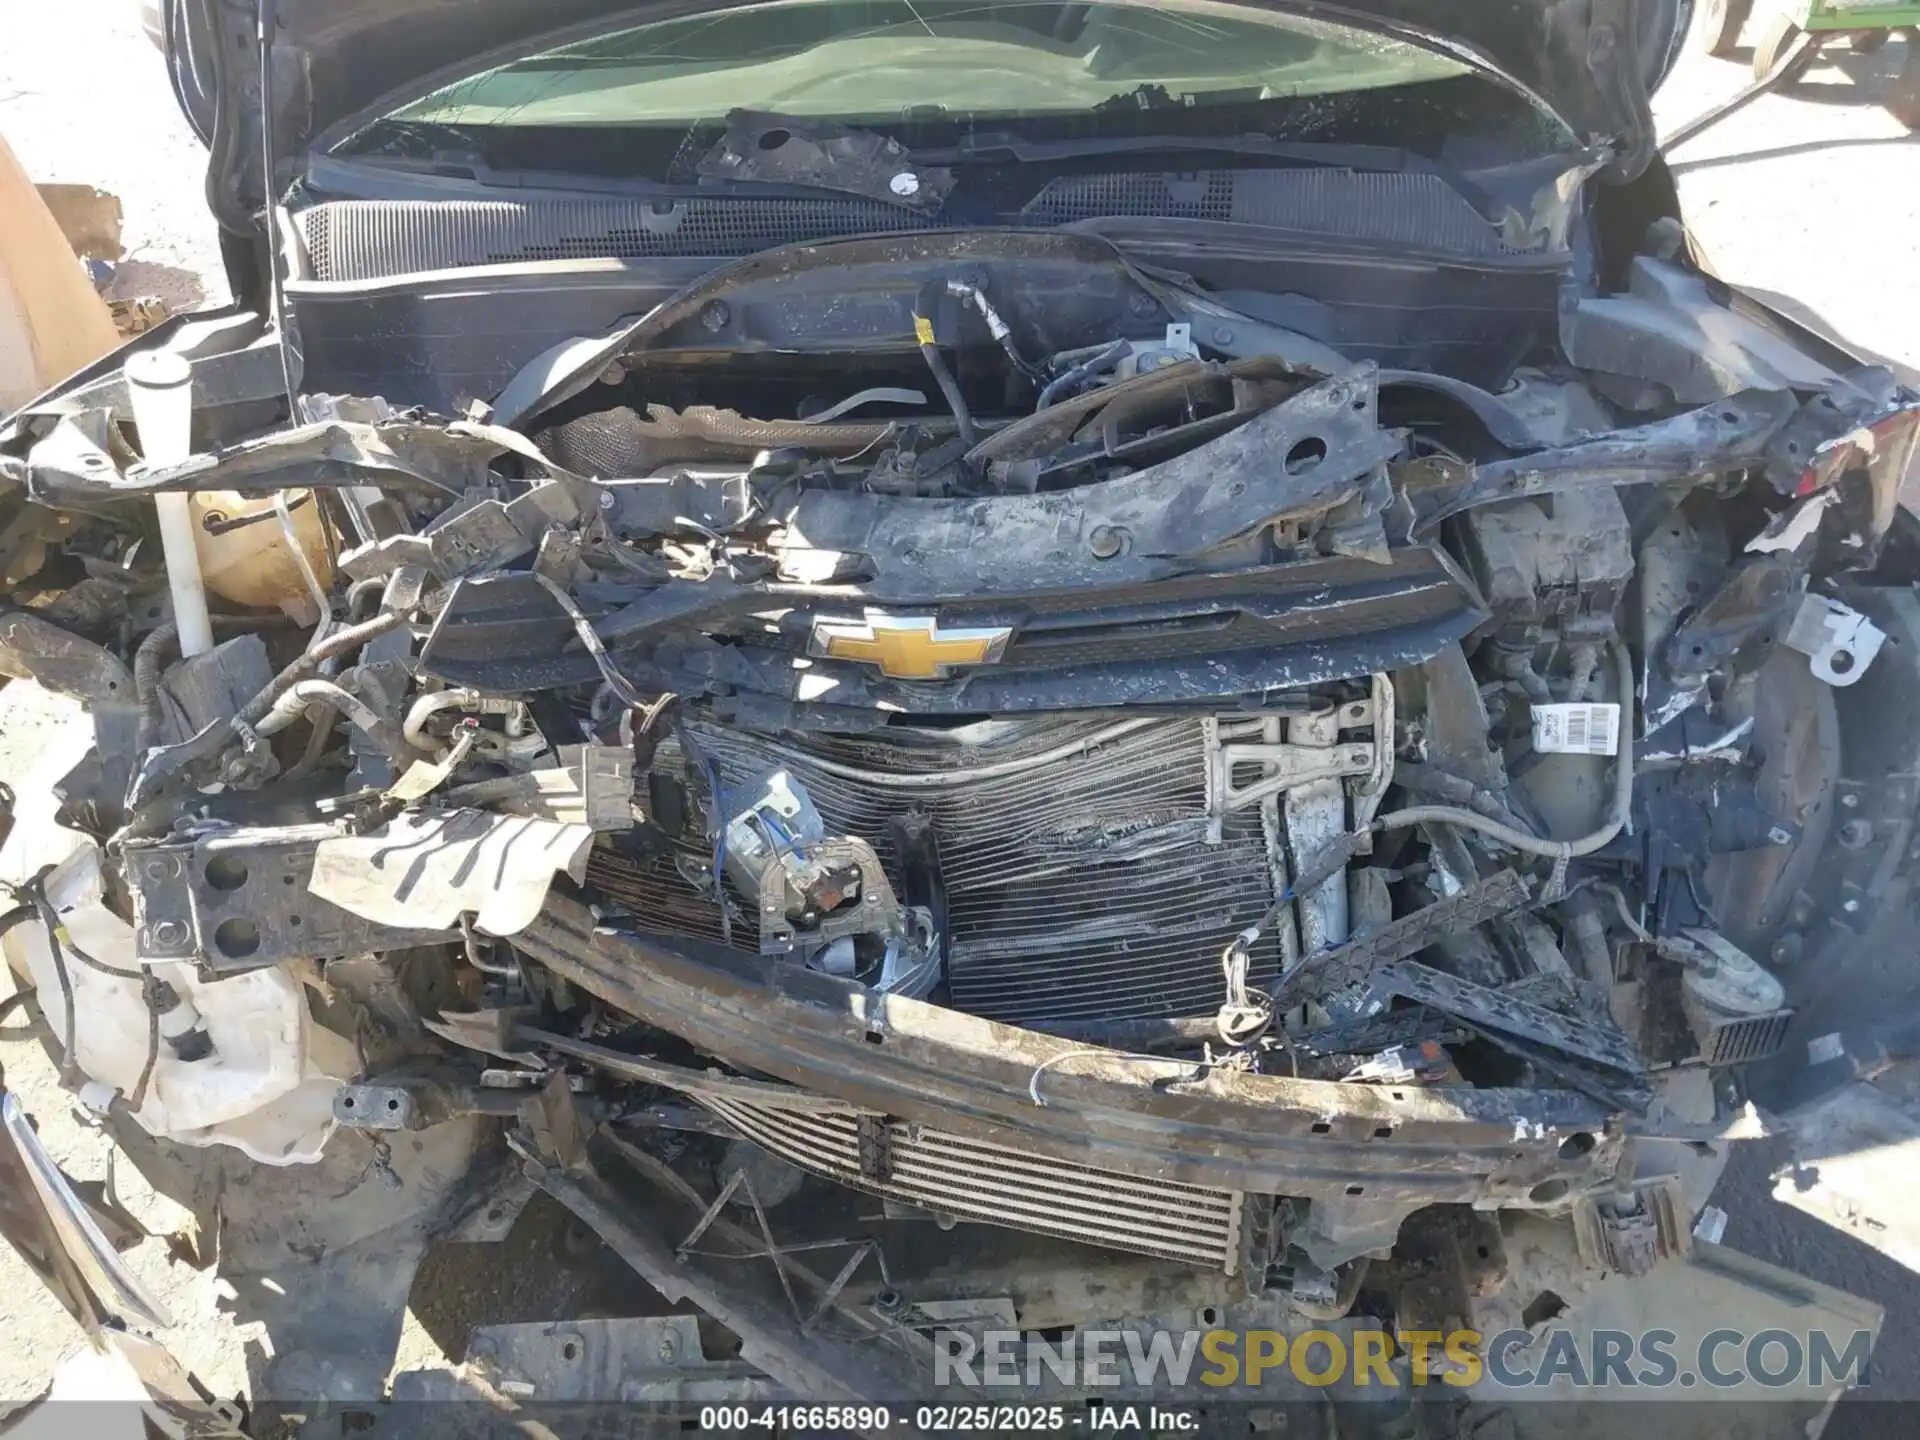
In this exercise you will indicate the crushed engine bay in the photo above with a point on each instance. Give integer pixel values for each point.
(1263, 823)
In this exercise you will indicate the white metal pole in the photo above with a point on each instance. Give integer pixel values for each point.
(160, 385)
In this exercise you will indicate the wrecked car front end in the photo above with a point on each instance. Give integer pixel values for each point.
(1031, 774)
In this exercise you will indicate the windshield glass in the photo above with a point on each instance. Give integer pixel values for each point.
(643, 103)
(870, 61)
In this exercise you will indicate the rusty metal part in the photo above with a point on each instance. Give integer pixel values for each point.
(1345, 964)
(739, 1294)
(1697, 445)
(34, 649)
(1635, 1230)
(1367, 1154)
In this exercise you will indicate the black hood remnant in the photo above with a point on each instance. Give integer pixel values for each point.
(1595, 63)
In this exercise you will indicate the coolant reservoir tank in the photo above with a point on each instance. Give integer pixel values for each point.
(245, 557)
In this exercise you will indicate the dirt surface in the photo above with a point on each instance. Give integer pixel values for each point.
(1813, 193)
(84, 99)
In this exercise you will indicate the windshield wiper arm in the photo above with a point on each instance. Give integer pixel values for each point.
(386, 177)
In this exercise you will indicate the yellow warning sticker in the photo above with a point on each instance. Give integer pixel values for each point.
(923, 329)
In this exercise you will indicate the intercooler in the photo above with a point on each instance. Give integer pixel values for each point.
(973, 1180)
(1075, 854)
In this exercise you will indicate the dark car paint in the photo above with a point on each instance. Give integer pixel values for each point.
(319, 63)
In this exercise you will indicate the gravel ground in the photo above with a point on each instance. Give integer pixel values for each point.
(84, 99)
(1813, 193)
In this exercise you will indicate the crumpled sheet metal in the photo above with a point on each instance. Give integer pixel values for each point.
(79, 460)
(1888, 449)
(65, 663)
(425, 869)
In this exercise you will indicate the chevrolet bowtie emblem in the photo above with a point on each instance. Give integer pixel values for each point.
(908, 647)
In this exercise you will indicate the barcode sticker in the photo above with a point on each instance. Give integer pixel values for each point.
(1576, 729)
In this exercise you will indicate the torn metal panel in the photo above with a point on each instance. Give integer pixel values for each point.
(34, 649)
(1835, 430)
(1172, 514)
(1488, 1009)
(426, 869)
(74, 465)
(1694, 446)
(1874, 464)
(1355, 961)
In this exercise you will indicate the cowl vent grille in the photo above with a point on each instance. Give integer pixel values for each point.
(369, 239)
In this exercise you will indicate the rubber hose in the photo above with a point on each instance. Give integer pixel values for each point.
(1105, 360)
(362, 716)
(427, 706)
(950, 388)
(923, 307)
(304, 666)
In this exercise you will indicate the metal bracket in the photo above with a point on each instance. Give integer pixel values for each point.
(1282, 767)
(658, 1361)
(876, 913)
(1838, 641)
(378, 1107)
(1377, 711)
(414, 1102)
(237, 900)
